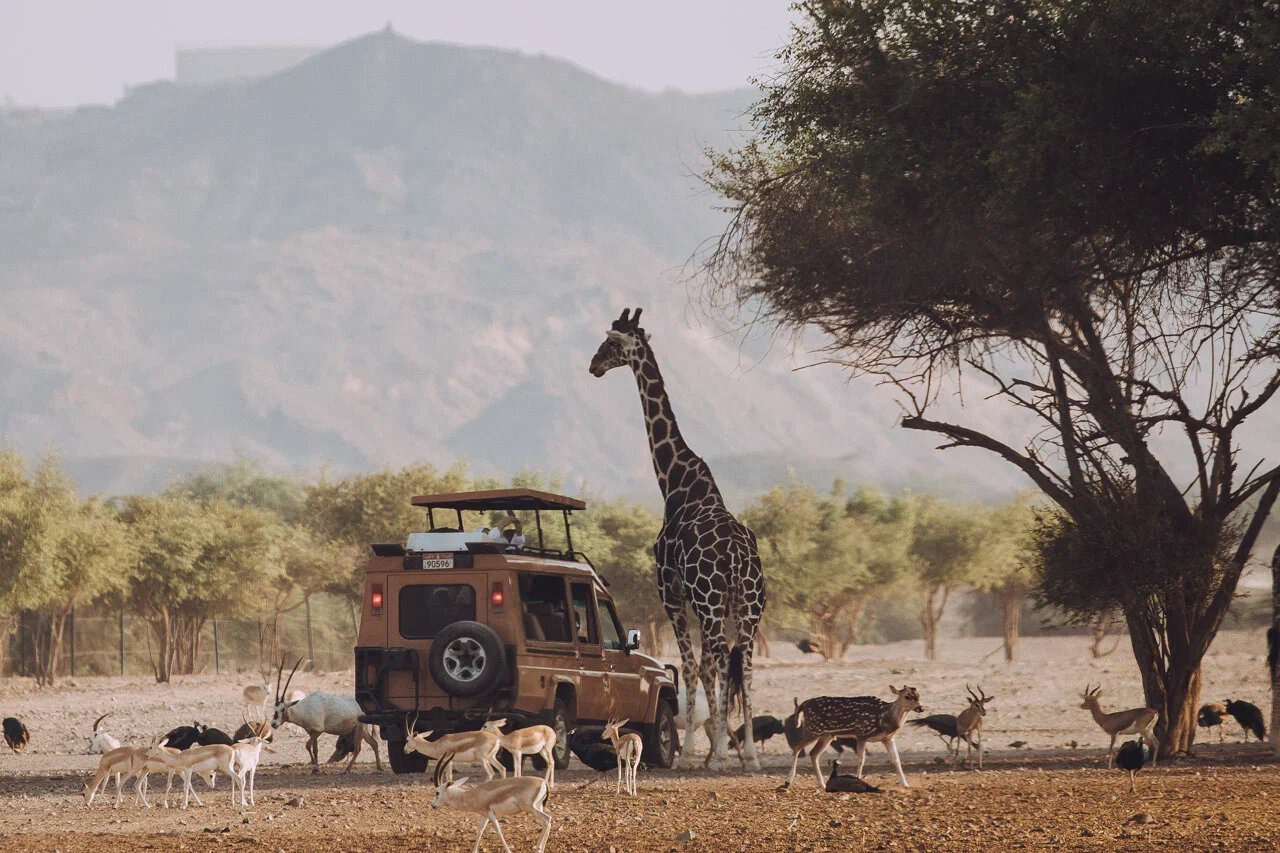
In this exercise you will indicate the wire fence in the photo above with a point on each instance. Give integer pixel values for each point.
(101, 641)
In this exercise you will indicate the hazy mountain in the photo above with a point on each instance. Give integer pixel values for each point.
(398, 251)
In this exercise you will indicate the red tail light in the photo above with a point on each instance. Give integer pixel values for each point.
(375, 599)
(495, 597)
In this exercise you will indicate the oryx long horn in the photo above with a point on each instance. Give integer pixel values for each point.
(279, 673)
(289, 680)
(99, 720)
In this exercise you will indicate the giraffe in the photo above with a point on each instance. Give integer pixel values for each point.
(706, 558)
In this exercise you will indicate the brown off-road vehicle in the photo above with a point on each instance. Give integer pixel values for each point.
(459, 627)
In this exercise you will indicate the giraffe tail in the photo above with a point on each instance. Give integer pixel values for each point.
(737, 685)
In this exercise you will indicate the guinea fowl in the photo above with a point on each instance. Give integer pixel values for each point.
(1212, 714)
(1132, 756)
(1249, 716)
(15, 734)
(839, 783)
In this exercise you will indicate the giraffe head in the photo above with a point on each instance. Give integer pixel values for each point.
(621, 343)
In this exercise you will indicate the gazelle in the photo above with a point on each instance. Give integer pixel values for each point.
(628, 746)
(248, 754)
(534, 740)
(480, 747)
(256, 700)
(867, 718)
(1133, 721)
(493, 799)
(969, 725)
(124, 761)
(202, 760)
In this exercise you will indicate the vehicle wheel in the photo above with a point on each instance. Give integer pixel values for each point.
(401, 763)
(663, 741)
(467, 659)
(560, 722)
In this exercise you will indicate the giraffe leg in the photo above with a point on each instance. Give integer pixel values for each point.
(715, 662)
(746, 642)
(680, 625)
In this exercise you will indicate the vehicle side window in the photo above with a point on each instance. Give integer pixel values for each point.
(545, 608)
(610, 626)
(425, 609)
(583, 619)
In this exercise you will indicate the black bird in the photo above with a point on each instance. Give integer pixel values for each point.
(15, 734)
(1132, 756)
(183, 737)
(597, 754)
(345, 745)
(1249, 716)
(209, 736)
(808, 646)
(945, 726)
(839, 784)
(1212, 714)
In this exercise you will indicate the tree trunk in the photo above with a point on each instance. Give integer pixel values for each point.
(656, 642)
(1170, 683)
(1012, 597)
(163, 629)
(1273, 650)
(851, 622)
(931, 617)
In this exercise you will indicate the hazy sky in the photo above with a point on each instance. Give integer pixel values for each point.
(66, 52)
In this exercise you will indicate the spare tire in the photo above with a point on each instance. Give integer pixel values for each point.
(467, 659)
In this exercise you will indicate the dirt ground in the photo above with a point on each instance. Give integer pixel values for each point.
(1045, 794)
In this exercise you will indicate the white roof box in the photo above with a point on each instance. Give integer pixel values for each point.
(443, 541)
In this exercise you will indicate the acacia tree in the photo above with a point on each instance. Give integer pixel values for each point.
(1041, 196)
(1009, 568)
(946, 549)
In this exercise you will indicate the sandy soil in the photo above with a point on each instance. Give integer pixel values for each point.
(1045, 794)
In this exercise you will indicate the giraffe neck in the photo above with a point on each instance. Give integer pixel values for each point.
(682, 475)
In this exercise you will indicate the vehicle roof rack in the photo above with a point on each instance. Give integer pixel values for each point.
(499, 499)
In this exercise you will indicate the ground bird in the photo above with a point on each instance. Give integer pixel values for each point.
(838, 783)
(15, 734)
(1133, 755)
(943, 725)
(808, 646)
(1248, 715)
(1212, 714)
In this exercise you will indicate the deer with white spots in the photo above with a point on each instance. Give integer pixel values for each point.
(867, 718)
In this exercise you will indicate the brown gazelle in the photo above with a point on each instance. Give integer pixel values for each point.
(629, 747)
(969, 725)
(532, 740)
(493, 799)
(1133, 721)
(870, 719)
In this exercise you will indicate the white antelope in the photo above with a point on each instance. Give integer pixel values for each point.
(323, 713)
(493, 799)
(480, 747)
(101, 742)
(248, 754)
(1135, 721)
(534, 740)
(124, 761)
(628, 747)
(201, 760)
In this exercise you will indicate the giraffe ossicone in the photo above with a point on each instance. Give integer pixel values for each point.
(707, 560)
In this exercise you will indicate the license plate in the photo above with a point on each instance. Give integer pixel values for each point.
(437, 561)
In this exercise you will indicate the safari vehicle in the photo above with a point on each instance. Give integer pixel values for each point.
(458, 628)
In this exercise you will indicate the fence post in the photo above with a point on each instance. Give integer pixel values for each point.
(311, 649)
(73, 643)
(355, 627)
(217, 665)
(122, 641)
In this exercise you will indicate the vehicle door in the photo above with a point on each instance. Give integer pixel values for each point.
(628, 688)
(550, 652)
(594, 688)
(419, 606)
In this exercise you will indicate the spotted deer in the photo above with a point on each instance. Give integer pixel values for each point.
(969, 725)
(867, 718)
(1133, 721)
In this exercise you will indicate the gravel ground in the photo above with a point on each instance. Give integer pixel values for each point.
(1044, 795)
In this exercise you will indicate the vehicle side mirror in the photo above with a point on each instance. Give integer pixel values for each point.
(633, 639)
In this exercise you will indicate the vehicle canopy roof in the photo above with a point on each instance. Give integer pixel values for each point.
(499, 499)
